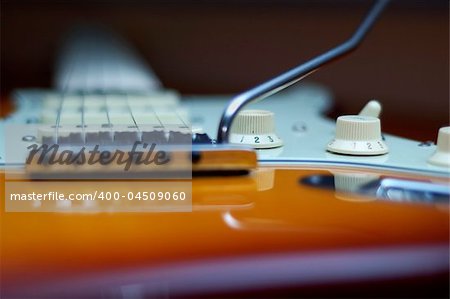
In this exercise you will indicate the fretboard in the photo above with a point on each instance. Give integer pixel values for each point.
(93, 59)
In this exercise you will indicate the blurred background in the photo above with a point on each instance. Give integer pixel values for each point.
(204, 47)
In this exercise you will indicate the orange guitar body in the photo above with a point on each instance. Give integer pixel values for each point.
(230, 221)
(305, 208)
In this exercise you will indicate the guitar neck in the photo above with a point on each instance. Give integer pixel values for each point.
(94, 59)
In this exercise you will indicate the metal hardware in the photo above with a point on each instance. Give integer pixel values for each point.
(296, 74)
(28, 138)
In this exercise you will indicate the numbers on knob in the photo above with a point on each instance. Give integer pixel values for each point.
(255, 128)
(358, 135)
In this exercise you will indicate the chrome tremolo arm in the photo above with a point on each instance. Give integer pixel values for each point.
(297, 73)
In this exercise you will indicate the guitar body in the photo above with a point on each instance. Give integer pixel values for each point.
(291, 219)
(236, 239)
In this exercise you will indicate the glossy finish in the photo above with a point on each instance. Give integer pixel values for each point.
(237, 224)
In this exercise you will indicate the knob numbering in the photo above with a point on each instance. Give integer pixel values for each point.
(255, 128)
(358, 135)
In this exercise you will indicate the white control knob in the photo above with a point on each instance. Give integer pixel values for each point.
(255, 128)
(441, 156)
(358, 135)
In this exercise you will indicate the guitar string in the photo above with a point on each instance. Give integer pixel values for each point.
(88, 58)
(120, 74)
(68, 73)
(83, 52)
(105, 99)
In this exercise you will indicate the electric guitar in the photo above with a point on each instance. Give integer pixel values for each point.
(115, 187)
